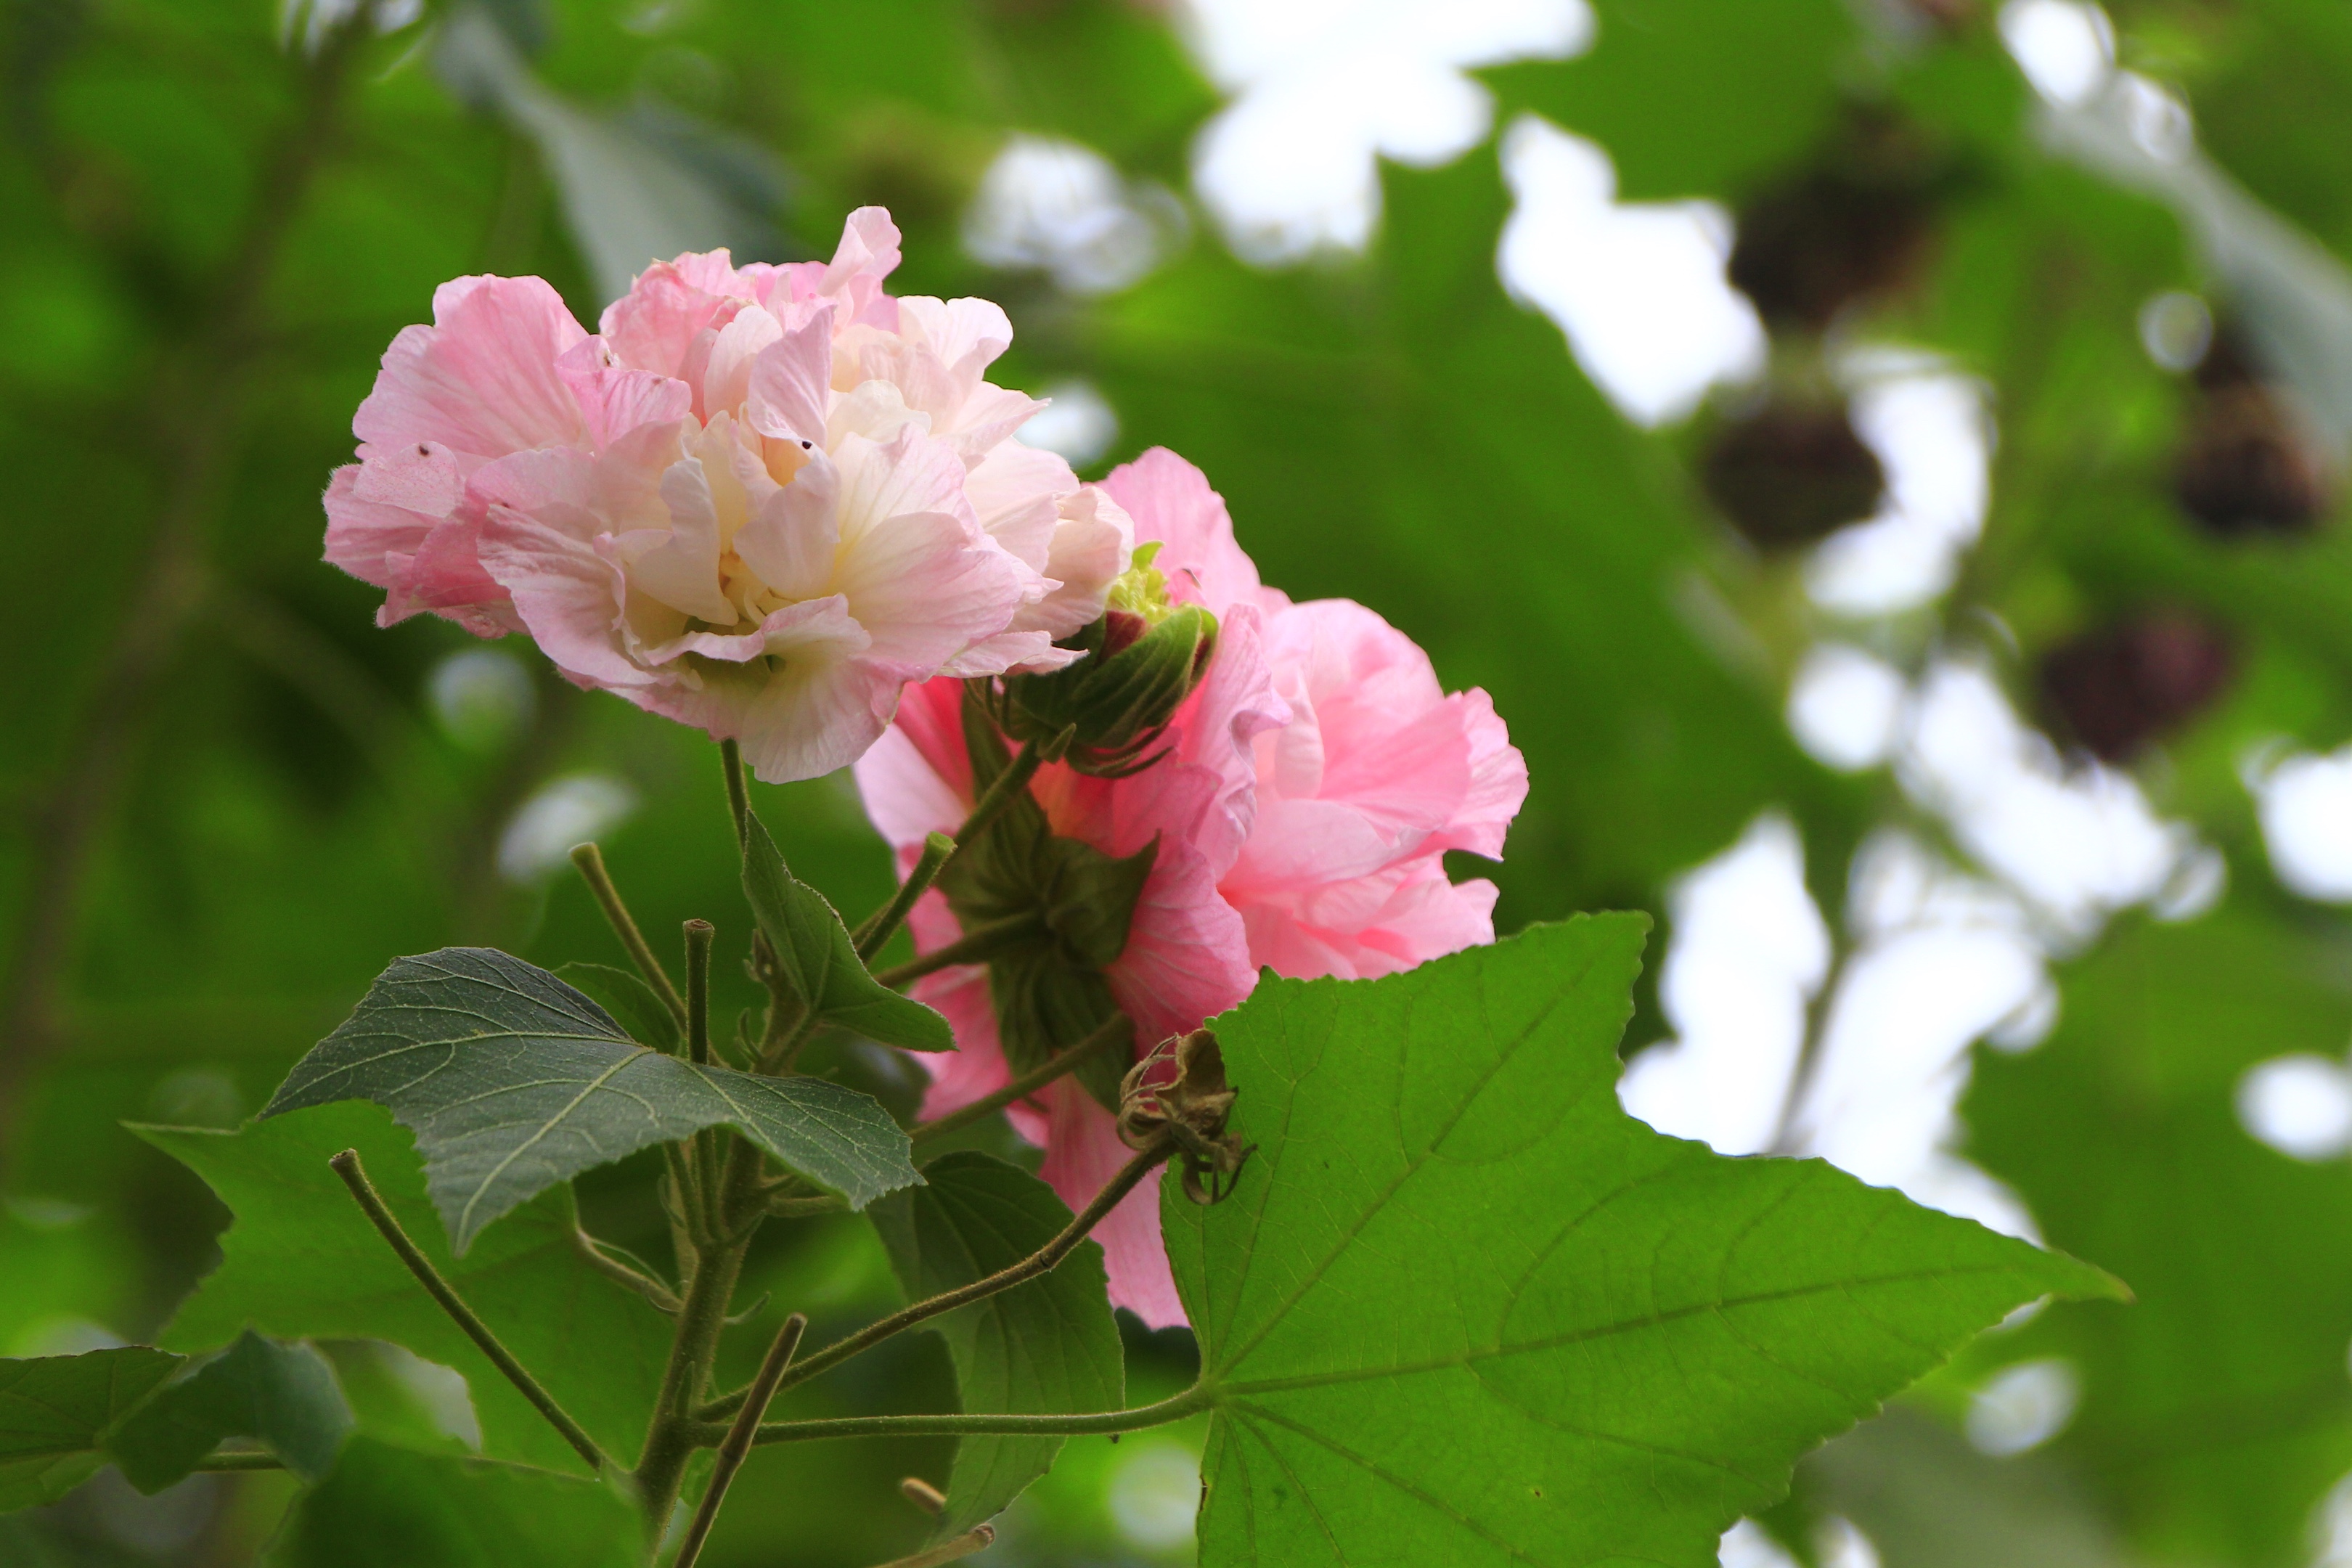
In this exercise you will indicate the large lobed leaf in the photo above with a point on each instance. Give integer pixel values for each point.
(513, 1081)
(157, 1415)
(301, 1261)
(1464, 1309)
(284, 1397)
(56, 1413)
(384, 1507)
(1050, 1345)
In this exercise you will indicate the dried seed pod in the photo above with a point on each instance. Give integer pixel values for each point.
(1179, 1091)
(1859, 225)
(1791, 472)
(2248, 465)
(2116, 688)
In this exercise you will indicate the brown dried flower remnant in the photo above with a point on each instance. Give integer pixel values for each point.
(1179, 1091)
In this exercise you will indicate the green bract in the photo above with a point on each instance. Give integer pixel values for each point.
(819, 959)
(1062, 910)
(1102, 714)
(1462, 1309)
(514, 1081)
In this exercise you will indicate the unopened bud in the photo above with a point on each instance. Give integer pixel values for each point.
(1144, 656)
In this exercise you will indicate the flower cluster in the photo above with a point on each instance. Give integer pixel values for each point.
(760, 499)
(1297, 817)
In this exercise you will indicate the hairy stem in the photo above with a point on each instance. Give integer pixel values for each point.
(1116, 1030)
(590, 862)
(884, 922)
(671, 1437)
(347, 1165)
(217, 1462)
(737, 1445)
(1042, 1261)
(975, 946)
(1197, 1398)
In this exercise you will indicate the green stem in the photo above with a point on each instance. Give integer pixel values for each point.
(591, 861)
(1042, 1261)
(884, 922)
(977, 945)
(347, 1165)
(1119, 1029)
(737, 1446)
(1193, 1400)
(670, 1438)
(739, 796)
(699, 935)
(217, 1462)
(1001, 793)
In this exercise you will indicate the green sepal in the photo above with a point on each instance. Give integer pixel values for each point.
(1139, 666)
(1047, 988)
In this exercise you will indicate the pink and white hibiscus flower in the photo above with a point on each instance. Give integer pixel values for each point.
(1315, 781)
(761, 500)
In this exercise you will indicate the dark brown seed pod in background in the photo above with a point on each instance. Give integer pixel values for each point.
(2247, 465)
(2114, 689)
(1791, 473)
(1859, 225)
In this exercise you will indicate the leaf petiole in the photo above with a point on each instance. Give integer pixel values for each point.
(977, 945)
(347, 1165)
(1192, 1401)
(590, 859)
(884, 922)
(737, 1445)
(1042, 1261)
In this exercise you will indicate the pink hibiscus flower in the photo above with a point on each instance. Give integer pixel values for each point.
(761, 501)
(1313, 783)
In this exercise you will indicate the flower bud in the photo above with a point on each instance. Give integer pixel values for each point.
(1144, 654)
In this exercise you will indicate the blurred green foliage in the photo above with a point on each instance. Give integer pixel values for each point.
(231, 799)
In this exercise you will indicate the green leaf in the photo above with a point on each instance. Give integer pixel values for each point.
(2215, 1414)
(1050, 1345)
(514, 1081)
(284, 1397)
(388, 1508)
(301, 1261)
(1464, 1309)
(627, 998)
(821, 961)
(56, 1412)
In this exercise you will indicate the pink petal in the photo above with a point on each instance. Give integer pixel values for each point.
(481, 380)
(792, 539)
(568, 595)
(1170, 501)
(615, 400)
(1083, 1153)
(791, 381)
